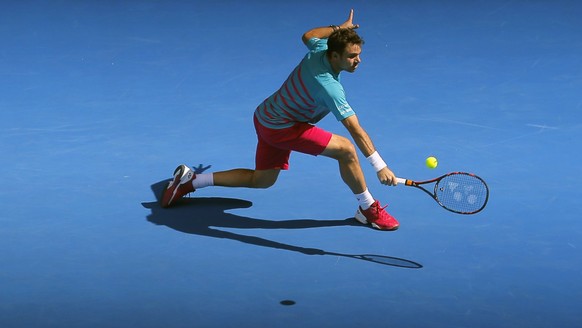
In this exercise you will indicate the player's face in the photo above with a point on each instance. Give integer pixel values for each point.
(350, 59)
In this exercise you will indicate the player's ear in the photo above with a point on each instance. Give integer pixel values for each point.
(334, 55)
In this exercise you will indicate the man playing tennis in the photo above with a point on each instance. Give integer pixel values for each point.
(284, 122)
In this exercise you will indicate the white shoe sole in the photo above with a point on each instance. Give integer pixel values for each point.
(360, 217)
(182, 174)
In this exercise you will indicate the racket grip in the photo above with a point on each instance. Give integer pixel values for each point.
(400, 180)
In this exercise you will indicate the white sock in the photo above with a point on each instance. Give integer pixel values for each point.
(365, 199)
(203, 180)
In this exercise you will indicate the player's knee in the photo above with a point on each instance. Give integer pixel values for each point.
(264, 184)
(348, 151)
(341, 149)
(264, 181)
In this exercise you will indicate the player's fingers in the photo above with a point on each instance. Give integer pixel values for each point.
(349, 23)
(392, 181)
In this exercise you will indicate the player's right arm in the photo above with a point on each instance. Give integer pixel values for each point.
(364, 143)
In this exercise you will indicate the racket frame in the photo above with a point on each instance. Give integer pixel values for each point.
(418, 184)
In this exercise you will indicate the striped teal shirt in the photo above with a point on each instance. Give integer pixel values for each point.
(310, 92)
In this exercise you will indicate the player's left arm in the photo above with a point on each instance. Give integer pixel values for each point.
(326, 31)
(366, 146)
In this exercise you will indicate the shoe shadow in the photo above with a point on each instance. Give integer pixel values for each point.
(205, 217)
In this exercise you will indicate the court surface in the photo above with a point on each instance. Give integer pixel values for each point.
(101, 100)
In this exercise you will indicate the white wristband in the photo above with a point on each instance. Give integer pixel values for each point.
(376, 161)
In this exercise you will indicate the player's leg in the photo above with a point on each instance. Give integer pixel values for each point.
(246, 178)
(269, 161)
(186, 181)
(369, 209)
(342, 150)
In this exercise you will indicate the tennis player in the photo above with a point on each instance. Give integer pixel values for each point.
(285, 122)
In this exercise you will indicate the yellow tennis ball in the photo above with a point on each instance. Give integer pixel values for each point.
(431, 162)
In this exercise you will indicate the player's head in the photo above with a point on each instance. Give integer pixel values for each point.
(344, 47)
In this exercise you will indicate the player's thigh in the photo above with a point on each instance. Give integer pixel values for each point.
(306, 138)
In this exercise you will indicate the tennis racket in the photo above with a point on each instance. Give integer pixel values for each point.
(458, 192)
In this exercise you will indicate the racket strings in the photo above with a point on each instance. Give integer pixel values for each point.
(462, 193)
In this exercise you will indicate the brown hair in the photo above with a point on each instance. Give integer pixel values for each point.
(340, 39)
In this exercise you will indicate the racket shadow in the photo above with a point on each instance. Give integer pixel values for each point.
(205, 216)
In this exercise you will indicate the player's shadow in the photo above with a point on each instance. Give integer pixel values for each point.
(203, 216)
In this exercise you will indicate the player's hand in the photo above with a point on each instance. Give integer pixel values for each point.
(387, 177)
(349, 23)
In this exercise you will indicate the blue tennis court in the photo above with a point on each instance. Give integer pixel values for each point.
(101, 100)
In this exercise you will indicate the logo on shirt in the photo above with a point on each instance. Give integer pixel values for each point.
(344, 108)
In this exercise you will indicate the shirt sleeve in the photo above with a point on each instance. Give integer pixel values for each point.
(316, 44)
(334, 97)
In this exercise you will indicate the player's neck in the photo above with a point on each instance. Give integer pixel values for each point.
(335, 67)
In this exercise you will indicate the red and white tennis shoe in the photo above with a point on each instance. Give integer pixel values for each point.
(180, 185)
(377, 217)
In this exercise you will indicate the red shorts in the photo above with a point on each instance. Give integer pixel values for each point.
(275, 145)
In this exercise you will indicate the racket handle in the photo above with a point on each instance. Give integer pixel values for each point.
(400, 180)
